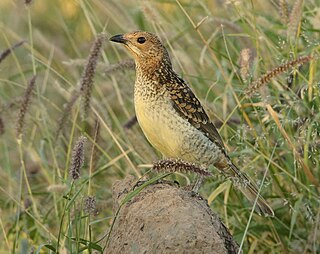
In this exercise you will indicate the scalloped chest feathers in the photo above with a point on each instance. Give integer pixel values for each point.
(169, 133)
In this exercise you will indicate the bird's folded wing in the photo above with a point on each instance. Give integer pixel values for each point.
(189, 107)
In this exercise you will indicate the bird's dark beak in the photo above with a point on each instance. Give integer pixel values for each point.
(118, 38)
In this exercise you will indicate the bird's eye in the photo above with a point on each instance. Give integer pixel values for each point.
(141, 40)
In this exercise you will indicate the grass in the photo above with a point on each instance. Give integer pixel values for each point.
(220, 48)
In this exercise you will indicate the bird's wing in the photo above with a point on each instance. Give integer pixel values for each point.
(190, 108)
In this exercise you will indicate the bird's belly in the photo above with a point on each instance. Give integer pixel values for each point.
(159, 127)
(173, 135)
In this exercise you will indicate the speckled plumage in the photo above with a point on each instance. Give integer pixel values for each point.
(171, 116)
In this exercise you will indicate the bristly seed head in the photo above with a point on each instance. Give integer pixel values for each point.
(283, 8)
(86, 82)
(77, 159)
(295, 19)
(90, 206)
(266, 78)
(178, 165)
(24, 105)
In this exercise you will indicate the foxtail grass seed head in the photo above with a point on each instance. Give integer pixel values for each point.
(77, 158)
(177, 165)
(8, 51)
(24, 105)
(245, 63)
(86, 82)
(283, 9)
(294, 19)
(90, 205)
(266, 78)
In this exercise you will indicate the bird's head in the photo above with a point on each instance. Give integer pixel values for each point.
(145, 47)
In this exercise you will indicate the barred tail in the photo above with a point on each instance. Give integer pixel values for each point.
(248, 188)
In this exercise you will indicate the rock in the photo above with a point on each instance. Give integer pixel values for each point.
(164, 218)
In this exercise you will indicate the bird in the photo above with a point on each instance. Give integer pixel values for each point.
(172, 117)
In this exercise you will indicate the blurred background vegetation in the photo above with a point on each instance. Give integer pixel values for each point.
(219, 47)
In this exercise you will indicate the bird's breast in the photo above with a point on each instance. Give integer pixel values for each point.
(167, 131)
(157, 119)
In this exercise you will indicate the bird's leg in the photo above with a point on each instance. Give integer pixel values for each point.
(197, 184)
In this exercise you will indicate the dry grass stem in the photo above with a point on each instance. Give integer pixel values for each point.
(77, 158)
(177, 165)
(94, 150)
(8, 51)
(66, 113)
(24, 105)
(123, 65)
(264, 79)
(231, 26)
(86, 82)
